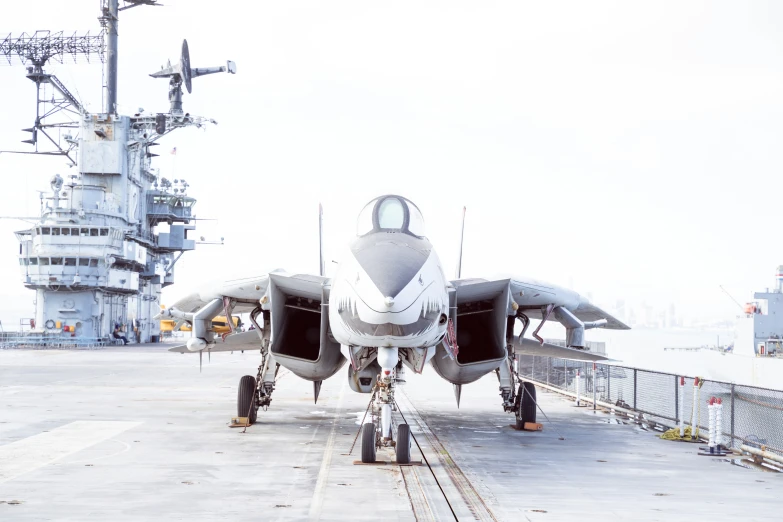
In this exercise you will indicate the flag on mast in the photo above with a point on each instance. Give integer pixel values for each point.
(174, 151)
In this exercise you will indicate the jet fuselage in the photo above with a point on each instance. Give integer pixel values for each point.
(389, 289)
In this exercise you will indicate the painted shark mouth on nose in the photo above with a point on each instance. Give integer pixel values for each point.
(429, 317)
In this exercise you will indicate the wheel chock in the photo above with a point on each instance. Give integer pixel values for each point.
(529, 426)
(239, 422)
(385, 462)
(715, 451)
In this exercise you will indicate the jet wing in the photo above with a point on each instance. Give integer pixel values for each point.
(247, 292)
(234, 343)
(245, 295)
(531, 347)
(532, 296)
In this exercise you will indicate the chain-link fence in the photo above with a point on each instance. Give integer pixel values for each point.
(751, 415)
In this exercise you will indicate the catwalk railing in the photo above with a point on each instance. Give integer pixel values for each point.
(751, 415)
(33, 341)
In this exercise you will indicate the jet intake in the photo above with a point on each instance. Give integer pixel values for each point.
(300, 335)
(481, 333)
(300, 331)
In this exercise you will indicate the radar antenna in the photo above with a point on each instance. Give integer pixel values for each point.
(40, 47)
(182, 73)
(37, 49)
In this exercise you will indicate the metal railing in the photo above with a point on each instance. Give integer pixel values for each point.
(39, 341)
(752, 416)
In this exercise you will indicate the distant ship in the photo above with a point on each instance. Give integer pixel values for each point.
(755, 357)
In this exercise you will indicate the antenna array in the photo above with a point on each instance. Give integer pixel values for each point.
(43, 46)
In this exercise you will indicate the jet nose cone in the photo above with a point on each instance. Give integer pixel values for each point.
(389, 301)
(391, 266)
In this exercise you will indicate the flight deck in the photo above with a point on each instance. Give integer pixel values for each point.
(137, 433)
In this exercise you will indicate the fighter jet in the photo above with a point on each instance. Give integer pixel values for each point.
(389, 308)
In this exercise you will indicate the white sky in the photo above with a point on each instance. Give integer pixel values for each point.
(630, 150)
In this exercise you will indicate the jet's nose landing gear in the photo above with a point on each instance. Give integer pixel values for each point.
(368, 442)
(378, 433)
(403, 445)
(381, 427)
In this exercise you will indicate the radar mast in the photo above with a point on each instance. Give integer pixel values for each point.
(97, 258)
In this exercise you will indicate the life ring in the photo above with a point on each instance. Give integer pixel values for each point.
(49, 324)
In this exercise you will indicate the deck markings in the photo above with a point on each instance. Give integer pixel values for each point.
(421, 507)
(456, 486)
(39, 450)
(323, 473)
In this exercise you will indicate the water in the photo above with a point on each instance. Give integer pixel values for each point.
(644, 349)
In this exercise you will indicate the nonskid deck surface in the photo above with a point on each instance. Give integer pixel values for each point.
(134, 434)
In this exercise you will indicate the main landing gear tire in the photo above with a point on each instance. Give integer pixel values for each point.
(403, 444)
(246, 398)
(526, 410)
(368, 443)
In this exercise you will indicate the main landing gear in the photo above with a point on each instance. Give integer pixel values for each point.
(246, 399)
(525, 407)
(519, 397)
(256, 392)
(378, 433)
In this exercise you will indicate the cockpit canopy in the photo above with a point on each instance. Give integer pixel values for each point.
(390, 214)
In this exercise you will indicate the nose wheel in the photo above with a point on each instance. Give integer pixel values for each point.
(379, 432)
(371, 441)
(403, 446)
(368, 443)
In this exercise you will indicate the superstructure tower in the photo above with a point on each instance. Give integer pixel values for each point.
(96, 258)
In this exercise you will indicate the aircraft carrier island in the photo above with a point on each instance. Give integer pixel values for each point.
(389, 391)
(96, 259)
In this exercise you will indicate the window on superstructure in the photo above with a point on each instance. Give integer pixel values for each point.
(83, 261)
(55, 231)
(93, 232)
(33, 261)
(44, 261)
(93, 263)
(104, 231)
(70, 261)
(66, 232)
(57, 261)
(45, 231)
(22, 261)
(85, 232)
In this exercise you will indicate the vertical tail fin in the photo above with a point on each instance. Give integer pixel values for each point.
(321, 239)
(461, 238)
